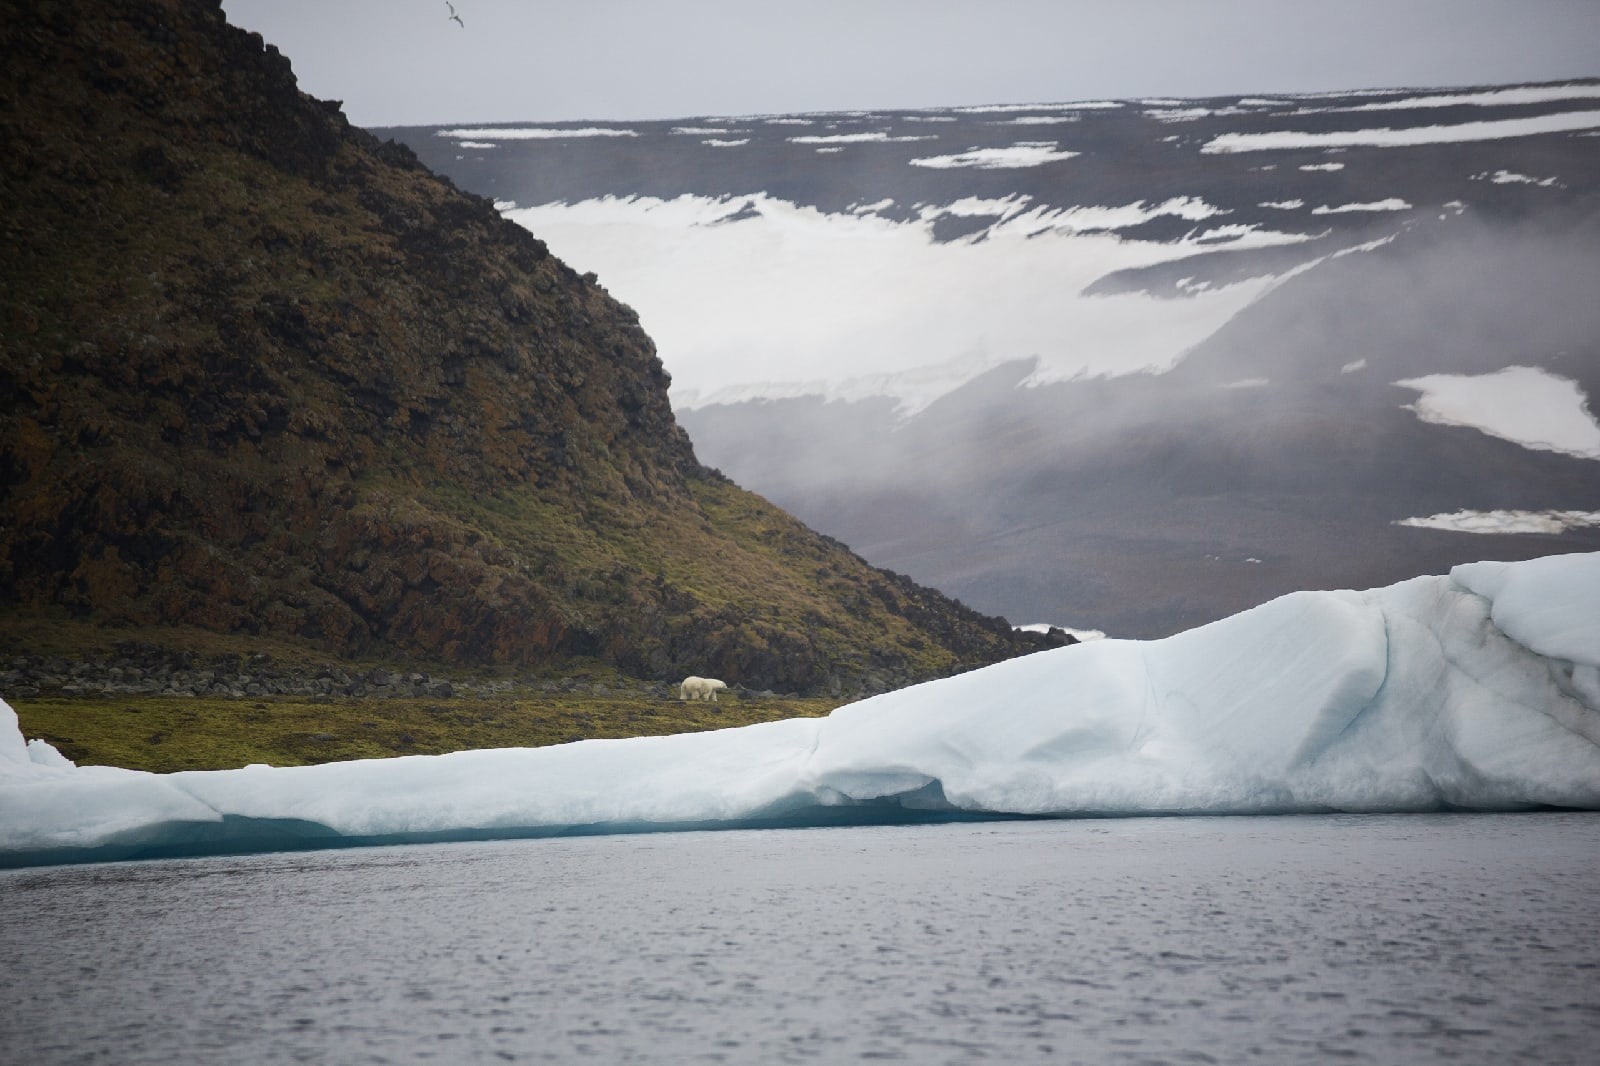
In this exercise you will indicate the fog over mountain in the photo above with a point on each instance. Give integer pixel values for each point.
(1123, 364)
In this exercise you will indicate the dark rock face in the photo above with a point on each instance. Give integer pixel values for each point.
(261, 373)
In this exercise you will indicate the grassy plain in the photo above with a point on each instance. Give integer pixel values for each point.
(166, 733)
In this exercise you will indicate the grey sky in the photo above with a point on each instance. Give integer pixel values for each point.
(403, 62)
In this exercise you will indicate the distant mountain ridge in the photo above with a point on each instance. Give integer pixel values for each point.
(262, 373)
(1131, 365)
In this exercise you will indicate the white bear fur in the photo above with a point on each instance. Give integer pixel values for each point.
(700, 688)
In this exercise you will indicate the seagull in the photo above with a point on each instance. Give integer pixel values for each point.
(453, 14)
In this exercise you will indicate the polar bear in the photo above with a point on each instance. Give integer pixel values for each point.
(700, 688)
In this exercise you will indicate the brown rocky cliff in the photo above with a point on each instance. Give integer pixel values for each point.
(260, 373)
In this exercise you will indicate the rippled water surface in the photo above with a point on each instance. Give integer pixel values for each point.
(1458, 938)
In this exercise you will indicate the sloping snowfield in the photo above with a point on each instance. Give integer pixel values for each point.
(1476, 691)
(1523, 404)
(756, 298)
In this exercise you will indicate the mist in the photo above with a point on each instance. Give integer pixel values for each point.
(1454, 296)
(1278, 447)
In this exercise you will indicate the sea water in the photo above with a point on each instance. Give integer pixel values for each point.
(1304, 939)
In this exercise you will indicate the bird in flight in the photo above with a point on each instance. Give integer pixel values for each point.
(453, 15)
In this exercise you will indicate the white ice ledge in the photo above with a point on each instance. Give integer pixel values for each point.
(1476, 691)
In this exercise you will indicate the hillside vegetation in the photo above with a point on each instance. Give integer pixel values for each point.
(263, 376)
(165, 734)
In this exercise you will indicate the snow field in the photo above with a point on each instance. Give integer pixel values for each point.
(1487, 130)
(494, 134)
(1016, 157)
(1523, 404)
(1505, 521)
(906, 316)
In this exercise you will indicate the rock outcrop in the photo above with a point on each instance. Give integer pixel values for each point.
(263, 374)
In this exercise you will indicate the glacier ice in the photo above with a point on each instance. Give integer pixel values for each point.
(1480, 691)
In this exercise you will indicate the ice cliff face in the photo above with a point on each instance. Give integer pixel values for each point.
(1480, 691)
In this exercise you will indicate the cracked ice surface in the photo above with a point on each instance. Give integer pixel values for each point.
(1480, 690)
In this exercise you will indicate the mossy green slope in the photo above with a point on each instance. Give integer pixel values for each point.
(263, 375)
(163, 734)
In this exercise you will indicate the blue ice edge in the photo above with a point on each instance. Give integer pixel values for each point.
(238, 835)
(1475, 692)
(242, 835)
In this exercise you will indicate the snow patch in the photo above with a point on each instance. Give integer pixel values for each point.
(528, 133)
(1522, 404)
(1038, 120)
(1507, 177)
(1530, 94)
(1002, 109)
(1499, 522)
(1495, 129)
(1393, 203)
(1190, 114)
(1016, 157)
(1367, 246)
(877, 137)
(978, 207)
(1083, 219)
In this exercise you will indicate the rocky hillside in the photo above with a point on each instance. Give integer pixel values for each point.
(263, 374)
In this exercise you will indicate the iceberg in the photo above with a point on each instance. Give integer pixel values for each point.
(1479, 690)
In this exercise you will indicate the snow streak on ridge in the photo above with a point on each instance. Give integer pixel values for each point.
(1493, 129)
